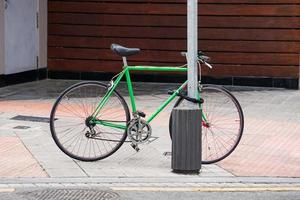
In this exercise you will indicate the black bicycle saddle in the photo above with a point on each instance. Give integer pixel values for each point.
(124, 51)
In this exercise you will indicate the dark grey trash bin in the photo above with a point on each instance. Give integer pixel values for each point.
(186, 140)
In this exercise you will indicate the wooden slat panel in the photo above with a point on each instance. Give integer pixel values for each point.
(84, 65)
(218, 70)
(176, 45)
(94, 65)
(251, 70)
(121, 8)
(171, 56)
(243, 37)
(175, 33)
(175, 9)
(247, 1)
(201, 2)
(174, 21)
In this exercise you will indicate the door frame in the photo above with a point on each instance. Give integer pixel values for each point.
(2, 55)
(42, 33)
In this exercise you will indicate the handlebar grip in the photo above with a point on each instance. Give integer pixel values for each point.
(208, 65)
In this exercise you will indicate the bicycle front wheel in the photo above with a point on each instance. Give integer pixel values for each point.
(70, 116)
(222, 123)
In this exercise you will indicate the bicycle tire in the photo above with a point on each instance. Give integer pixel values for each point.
(73, 107)
(224, 93)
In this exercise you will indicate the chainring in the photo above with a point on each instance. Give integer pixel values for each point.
(139, 131)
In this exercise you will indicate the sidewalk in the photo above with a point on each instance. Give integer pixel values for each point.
(269, 147)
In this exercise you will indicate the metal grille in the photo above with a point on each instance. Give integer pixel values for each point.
(69, 194)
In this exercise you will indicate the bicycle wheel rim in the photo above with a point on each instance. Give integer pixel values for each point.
(70, 112)
(225, 123)
(206, 133)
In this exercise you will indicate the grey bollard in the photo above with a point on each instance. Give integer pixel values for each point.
(186, 140)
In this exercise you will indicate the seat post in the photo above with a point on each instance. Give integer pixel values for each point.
(124, 61)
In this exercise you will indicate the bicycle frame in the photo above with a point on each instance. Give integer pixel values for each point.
(126, 73)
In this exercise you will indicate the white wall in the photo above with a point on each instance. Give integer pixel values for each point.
(1, 37)
(21, 36)
(41, 36)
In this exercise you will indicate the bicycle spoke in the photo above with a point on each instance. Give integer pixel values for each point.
(223, 125)
(70, 126)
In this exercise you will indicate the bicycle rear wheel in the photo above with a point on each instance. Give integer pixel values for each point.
(222, 123)
(70, 116)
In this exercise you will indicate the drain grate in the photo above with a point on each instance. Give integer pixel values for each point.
(69, 194)
(31, 118)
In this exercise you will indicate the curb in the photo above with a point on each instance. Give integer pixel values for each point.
(180, 179)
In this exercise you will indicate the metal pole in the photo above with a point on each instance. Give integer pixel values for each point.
(186, 119)
(192, 47)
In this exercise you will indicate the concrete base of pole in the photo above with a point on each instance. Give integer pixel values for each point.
(186, 140)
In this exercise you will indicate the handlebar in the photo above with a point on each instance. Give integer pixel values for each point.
(204, 59)
(201, 58)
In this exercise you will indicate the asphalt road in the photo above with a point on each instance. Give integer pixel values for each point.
(209, 195)
(106, 194)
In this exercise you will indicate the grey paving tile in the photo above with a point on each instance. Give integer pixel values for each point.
(257, 104)
(4, 186)
(63, 173)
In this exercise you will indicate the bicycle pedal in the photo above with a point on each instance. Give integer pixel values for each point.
(141, 114)
(135, 147)
(201, 100)
(171, 92)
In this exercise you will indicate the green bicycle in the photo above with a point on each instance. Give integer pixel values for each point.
(90, 120)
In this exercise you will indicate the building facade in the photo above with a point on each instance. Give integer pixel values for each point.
(250, 42)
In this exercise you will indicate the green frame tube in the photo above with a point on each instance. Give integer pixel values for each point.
(130, 90)
(126, 73)
(107, 95)
(110, 124)
(166, 102)
(155, 68)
